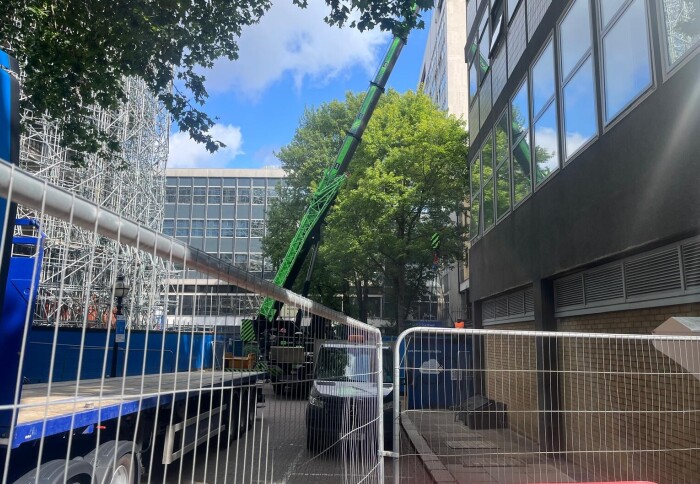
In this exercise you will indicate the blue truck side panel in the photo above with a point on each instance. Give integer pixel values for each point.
(195, 353)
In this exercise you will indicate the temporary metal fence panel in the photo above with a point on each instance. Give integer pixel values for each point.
(536, 407)
(129, 384)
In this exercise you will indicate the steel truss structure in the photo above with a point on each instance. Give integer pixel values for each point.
(81, 266)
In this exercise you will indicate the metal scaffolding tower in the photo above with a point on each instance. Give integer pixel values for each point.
(80, 267)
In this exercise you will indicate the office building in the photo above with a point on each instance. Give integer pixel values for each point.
(584, 118)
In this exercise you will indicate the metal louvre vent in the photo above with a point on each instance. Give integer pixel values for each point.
(529, 301)
(604, 284)
(568, 292)
(659, 272)
(691, 264)
(501, 307)
(516, 304)
(489, 310)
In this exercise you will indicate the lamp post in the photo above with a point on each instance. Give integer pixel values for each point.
(121, 289)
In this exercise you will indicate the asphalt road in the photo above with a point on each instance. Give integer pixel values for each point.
(274, 451)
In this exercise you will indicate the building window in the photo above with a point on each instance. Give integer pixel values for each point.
(473, 83)
(519, 136)
(487, 183)
(484, 47)
(258, 196)
(475, 177)
(213, 228)
(183, 228)
(496, 24)
(199, 195)
(502, 162)
(256, 262)
(512, 7)
(244, 195)
(626, 54)
(578, 85)
(214, 196)
(168, 226)
(197, 228)
(257, 228)
(271, 193)
(544, 111)
(242, 228)
(227, 228)
(682, 28)
(241, 261)
(226, 257)
(170, 194)
(228, 195)
(184, 195)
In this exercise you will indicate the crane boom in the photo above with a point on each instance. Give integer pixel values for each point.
(327, 191)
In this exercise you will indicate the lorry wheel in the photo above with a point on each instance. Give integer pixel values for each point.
(79, 472)
(233, 427)
(124, 471)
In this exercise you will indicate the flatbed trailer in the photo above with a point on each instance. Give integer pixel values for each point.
(130, 417)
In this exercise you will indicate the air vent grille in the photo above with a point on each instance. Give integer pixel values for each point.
(501, 307)
(659, 272)
(604, 285)
(529, 301)
(489, 310)
(511, 307)
(568, 292)
(691, 264)
(516, 304)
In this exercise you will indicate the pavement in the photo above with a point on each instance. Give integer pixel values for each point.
(453, 453)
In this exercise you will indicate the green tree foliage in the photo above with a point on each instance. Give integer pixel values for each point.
(75, 55)
(406, 179)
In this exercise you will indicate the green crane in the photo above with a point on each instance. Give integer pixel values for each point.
(307, 234)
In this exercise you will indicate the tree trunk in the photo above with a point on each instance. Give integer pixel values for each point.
(360, 292)
(400, 285)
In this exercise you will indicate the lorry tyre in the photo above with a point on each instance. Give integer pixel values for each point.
(79, 472)
(115, 463)
(233, 428)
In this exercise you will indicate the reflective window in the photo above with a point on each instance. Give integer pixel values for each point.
(502, 162)
(488, 189)
(213, 228)
(546, 133)
(168, 226)
(474, 220)
(546, 144)
(242, 228)
(170, 194)
(241, 261)
(521, 158)
(258, 196)
(244, 195)
(214, 196)
(184, 195)
(227, 228)
(543, 79)
(476, 175)
(199, 195)
(626, 61)
(271, 193)
(197, 228)
(227, 257)
(580, 120)
(483, 53)
(578, 84)
(608, 10)
(228, 195)
(255, 262)
(512, 6)
(682, 22)
(183, 227)
(473, 83)
(257, 228)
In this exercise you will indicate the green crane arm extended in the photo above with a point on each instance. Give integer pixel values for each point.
(327, 190)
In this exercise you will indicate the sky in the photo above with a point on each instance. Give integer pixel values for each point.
(290, 61)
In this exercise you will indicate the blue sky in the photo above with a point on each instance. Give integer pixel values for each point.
(289, 61)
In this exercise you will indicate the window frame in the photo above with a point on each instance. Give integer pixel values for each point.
(475, 194)
(563, 82)
(238, 196)
(214, 196)
(223, 196)
(174, 190)
(246, 228)
(199, 222)
(209, 227)
(643, 94)
(232, 228)
(204, 195)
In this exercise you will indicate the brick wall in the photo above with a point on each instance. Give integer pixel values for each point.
(511, 376)
(623, 399)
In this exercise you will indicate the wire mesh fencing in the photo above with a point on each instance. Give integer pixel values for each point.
(145, 377)
(537, 407)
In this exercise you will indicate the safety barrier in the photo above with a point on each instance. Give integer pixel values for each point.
(149, 393)
(534, 407)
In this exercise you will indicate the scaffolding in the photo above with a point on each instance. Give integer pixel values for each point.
(80, 267)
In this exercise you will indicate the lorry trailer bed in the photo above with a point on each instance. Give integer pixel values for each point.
(74, 405)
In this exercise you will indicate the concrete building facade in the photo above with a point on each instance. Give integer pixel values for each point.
(585, 212)
(443, 77)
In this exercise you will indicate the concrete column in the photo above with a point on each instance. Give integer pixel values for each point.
(551, 432)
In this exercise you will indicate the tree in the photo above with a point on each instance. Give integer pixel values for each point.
(75, 55)
(407, 178)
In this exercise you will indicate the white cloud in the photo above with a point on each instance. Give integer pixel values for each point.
(296, 42)
(184, 152)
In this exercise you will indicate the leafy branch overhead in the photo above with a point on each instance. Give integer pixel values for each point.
(76, 55)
